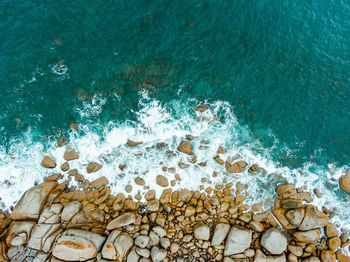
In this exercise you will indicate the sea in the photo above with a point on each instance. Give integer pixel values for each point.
(275, 76)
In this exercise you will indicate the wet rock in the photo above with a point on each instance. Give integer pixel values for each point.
(219, 160)
(185, 147)
(73, 248)
(165, 196)
(153, 205)
(73, 125)
(238, 240)
(65, 166)
(201, 108)
(162, 181)
(158, 254)
(139, 181)
(311, 236)
(331, 230)
(220, 232)
(333, 243)
(236, 167)
(274, 241)
(48, 162)
(32, 202)
(93, 167)
(253, 169)
(328, 256)
(70, 154)
(122, 220)
(133, 143)
(150, 195)
(99, 183)
(62, 141)
(313, 219)
(286, 190)
(202, 232)
(344, 182)
(341, 257)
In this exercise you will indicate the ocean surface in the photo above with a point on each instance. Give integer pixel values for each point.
(275, 74)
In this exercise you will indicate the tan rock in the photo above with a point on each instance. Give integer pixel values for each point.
(202, 232)
(48, 162)
(185, 147)
(313, 219)
(93, 167)
(122, 220)
(220, 232)
(153, 205)
(65, 166)
(165, 196)
(331, 230)
(286, 190)
(133, 143)
(99, 182)
(328, 256)
(238, 240)
(236, 167)
(219, 160)
(253, 169)
(274, 241)
(333, 243)
(344, 182)
(70, 154)
(139, 181)
(295, 216)
(162, 181)
(341, 257)
(17, 228)
(185, 195)
(150, 195)
(32, 202)
(310, 236)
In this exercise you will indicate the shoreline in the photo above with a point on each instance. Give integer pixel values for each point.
(55, 221)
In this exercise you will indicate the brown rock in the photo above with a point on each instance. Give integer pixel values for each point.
(328, 256)
(162, 181)
(185, 147)
(150, 195)
(236, 167)
(165, 196)
(253, 169)
(99, 182)
(65, 166)
(344, 182)
(70, 154)
(122, 220)
(221, 150)
(219, 160)
(93, 167)
(295, 216)
(153, 205)
(331, 230)
(333, 243)
(48, 162)
(62, 141)
(133, 143)
(310, 236)
(139, 181)
(313, 219)
(342, 257)
(286, 190)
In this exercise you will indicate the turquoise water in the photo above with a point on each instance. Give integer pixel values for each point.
(281, 68)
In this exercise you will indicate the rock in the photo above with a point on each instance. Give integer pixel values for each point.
(65, 166)
(220, 232)
(202, 232)
(139, 181)
(317, 193)
(253, 169)
(16, 228)
(73, 125)
(201, 108)
(341, 257)
(344, 182)
(143, 252)
(256, 226)
(219, 160)
(122, 220)
(162, 181)
(333, 243)
(286, 190)
(153, 238)
(165, 196)
(274, 241)
(123, 244)
(311, 259)
(99, 182)
(50, 215)
(165, 242)
(174, 247)
(238, 240)
(62, 141)
(295, 216)
(331, 230)
(190, 211)
(153, 205)
(150, 195)
(291, 203)
(133, 143)
(328, 256)
(70, 154)
(311, 236)
(108, 250)
(141, 241)
(236, 167)
(70, 210)
(133, 256)
(93, 167)
(39, 234)
(185, 147)
(95, 238)
(48, 162)
(313, 219)
(158, 254)
(296, 250)
(32, 202)
(159, 231)
(73, 248)
(185, 195)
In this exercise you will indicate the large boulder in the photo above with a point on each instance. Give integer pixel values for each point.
(274, 241)
(344, 182)
(32, 202)
(122, 220)
(313, 219)
(122, 244)
(236, 167)
(220, 233)
(202, 232)
(238, 240)
(286, 190)
(295, 216)
(310, 236)
(70, 210)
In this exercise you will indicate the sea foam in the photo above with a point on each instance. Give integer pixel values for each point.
(168, 123)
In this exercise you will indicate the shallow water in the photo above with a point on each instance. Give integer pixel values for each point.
(277, 74)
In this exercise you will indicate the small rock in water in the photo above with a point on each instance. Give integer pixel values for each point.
(70, 154)
(185, 147)
(93, 167)
(65, 166)
(62, 141)
(162, 181)
(73, 125)
(139, 181)
(133, 143)
(236, 167)
(48, 162)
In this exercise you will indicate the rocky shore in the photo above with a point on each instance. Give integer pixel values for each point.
(55, 221)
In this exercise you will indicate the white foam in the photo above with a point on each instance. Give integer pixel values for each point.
(169, 123)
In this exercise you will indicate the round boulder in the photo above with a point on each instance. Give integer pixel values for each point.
(274, 241)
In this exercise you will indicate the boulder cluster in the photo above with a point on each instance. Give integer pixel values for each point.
(56, 222)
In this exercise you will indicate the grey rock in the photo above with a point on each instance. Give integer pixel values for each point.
(70, 210)
(158, 254)
(274, 241)
(220, 232)
(238, 240)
